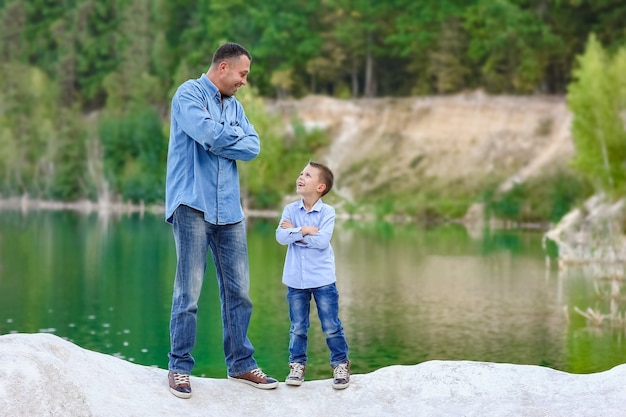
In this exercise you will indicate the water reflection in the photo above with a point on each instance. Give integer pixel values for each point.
(407, 295)
(439, 294)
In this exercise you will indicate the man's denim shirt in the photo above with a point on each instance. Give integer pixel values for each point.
(310, 260)
(206, 140)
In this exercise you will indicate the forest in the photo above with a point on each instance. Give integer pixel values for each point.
(85, 85)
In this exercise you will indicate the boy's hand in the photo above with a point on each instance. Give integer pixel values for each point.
(309, 230)
(305, 230)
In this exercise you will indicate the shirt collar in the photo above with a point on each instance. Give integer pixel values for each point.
(212, 89)
(316, 207)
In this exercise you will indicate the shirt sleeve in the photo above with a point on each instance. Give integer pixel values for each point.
(235, 140)
(248, 144)
(290, 235)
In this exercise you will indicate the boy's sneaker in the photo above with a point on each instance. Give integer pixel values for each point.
(341, 375)
(179, 384)
(296, 374)
(256, 378)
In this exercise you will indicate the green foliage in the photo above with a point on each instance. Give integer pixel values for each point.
(425, 34)
(65, 63)
(508, 206)
(69, 181)
(547, 198)
(425, 205)
(27, 147)
(41, 49)
(447, 64)
(97, 47)
(597, 98)
(132, 85)
(369, 48)
(135, 151)
(511, 47)
(43, 152)
(289, 38)
(384, 207)
(13, 25)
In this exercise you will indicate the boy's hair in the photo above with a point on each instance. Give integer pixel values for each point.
(326, 176)
(230, 50)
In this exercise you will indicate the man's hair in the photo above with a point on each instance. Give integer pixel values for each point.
(230, 50)
(326, 176)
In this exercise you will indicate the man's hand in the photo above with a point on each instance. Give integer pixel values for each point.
(286, 224)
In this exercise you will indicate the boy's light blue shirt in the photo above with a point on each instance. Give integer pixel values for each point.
(310, 260)
(206, 140)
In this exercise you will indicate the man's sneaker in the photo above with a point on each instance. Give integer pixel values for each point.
(296, 374)
(256, 378)
(179, 384)
(341, 375)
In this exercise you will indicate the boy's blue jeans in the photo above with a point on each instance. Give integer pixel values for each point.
(327, 302)
(193, 237)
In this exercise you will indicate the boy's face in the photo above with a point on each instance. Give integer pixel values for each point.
(308, 182)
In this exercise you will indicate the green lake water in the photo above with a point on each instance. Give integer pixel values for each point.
(407, 295)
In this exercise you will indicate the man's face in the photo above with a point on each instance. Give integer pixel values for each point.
(233, 73)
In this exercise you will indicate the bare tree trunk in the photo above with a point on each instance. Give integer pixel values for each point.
(355, 77)
(369, 69)
(542, 8)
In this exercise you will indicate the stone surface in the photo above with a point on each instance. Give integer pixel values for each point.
(44, 375)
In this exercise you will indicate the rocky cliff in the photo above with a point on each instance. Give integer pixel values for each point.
(448, 143)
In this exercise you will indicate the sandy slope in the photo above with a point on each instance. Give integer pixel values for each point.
(412, 143)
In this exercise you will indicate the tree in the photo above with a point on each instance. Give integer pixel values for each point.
(134, 151)
(447, 64)
(418, 27)
(69, 179)
(360, 27)
(132, 84)
(42, 50)
(13, 19)
(28, 126)
(289, 37)
(597, 97)
(510, 46)
(96, 24)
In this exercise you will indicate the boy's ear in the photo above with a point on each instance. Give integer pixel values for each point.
(321, 188)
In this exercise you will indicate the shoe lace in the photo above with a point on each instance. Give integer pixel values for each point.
(341, 371)
(181, 379)
(258, 373)
(297, 370)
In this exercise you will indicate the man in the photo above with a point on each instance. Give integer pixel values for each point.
(209, 132)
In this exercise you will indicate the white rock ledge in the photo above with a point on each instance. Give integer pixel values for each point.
(44, 375)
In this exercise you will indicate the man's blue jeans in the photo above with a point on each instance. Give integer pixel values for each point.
(193, 237)
(327, 302)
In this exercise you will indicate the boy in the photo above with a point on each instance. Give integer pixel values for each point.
(306, 226)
